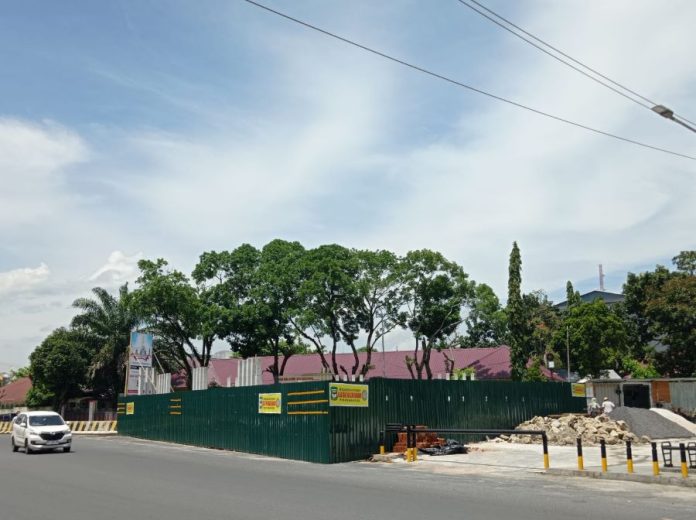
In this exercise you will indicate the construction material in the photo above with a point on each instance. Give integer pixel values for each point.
(676, 419)
(566, 429)
(646, 423)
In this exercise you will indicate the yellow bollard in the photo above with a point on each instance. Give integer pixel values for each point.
(629, 457)
(655, 462)
(684, 466)
(545, 445)
(581, 463)
(603, 451)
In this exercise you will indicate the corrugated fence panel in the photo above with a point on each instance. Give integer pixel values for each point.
(443, 404)
(228, 418)
(308, 429)
(683, 395)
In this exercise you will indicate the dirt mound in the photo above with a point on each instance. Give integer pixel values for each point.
(649, 423)
(567, 428)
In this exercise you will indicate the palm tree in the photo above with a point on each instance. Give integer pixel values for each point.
(107, 320)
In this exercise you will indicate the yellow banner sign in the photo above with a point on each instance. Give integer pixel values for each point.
(270, 403)
(341, 394)
(130, 408)
(577, 390)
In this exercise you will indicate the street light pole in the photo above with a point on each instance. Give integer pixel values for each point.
(568, 352)
(669, 114)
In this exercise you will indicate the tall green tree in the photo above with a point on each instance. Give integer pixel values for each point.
(572, 296)
(486, 322)
(436, 291)
(59, 368)
(672, 313)
(516, 316)
(685, 262)
(597, 338)
(328, 296)
(183, 320)
(107, 321)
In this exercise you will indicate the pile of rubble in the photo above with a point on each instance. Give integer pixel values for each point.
(565, 429)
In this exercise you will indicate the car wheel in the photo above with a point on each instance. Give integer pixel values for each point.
(66, 449)
(14, 446)
(27, 449)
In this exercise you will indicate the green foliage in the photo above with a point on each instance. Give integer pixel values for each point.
(637, 290)
(177, 313)
(534, 372)
(19, 373)
(515, 314)
(638, 370)
(597, 338)
(572, 296)
(686, 262)
(106, 322)
(486, 322)
(59, 367)
(435, 291)
(672, 314)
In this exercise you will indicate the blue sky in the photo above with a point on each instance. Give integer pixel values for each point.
(143, 129)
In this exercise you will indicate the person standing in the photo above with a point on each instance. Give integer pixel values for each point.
(607, 406)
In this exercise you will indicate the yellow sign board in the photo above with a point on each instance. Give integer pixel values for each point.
(130, 408)
(577, 390)
(270, 403)
(342, 394)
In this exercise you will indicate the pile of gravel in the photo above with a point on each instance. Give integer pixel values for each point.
(647, 423)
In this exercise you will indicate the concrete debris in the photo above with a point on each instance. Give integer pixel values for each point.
(566, 429)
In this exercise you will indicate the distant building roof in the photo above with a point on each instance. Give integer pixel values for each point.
(489, 363)
(15, 393)
(609, 298)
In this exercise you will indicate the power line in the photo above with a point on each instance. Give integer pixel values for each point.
(464, 85)
(557, 50)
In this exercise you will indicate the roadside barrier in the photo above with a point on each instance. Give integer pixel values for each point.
(629, 457)
(75, 426)
(92, 426)
(684, 450)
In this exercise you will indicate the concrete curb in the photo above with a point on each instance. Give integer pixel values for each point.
(645, 479)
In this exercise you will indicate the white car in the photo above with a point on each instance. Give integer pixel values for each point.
(40, 431)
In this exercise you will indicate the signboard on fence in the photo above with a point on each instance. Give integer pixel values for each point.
(139, 356)
(130, 408)
(342, 394)
(577, 389)
(270, 403)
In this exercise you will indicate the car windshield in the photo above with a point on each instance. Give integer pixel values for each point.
(45, 420)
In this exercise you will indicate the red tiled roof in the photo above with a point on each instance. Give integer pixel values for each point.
(490, 363)
(16, 392)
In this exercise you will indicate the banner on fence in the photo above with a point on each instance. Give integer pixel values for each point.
(577, 390)
(130, 408)
(342, 394)
(270, 403)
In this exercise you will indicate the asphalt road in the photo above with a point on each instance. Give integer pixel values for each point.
(125, 479)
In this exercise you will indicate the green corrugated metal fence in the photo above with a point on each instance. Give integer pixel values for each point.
(228, 418)
(443, 404)
(308, 429)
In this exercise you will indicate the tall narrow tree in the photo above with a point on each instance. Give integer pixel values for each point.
(515, 313)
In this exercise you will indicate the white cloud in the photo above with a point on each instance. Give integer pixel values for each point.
(34, 159)
(22, 279)
(118, 269)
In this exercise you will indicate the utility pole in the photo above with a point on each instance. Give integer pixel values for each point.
(568, 353)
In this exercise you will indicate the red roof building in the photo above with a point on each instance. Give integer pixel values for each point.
(15, 393)
(489, 363)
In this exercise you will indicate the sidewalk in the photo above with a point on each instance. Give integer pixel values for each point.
(506, 459)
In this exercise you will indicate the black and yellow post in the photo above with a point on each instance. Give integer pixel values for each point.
(581, 462)
(381, 443)
(414, 445)
(655, 462)
(603, 451)
(629, 457)
(682, 456)
(545, 444)
(409, 447)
